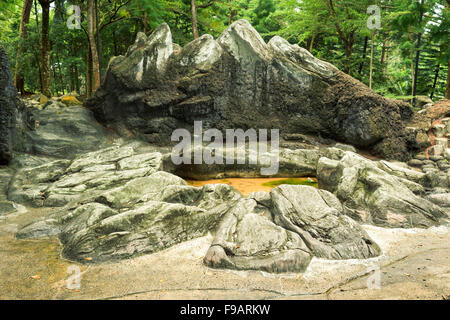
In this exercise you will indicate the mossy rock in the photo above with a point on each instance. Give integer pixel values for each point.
(43, 99)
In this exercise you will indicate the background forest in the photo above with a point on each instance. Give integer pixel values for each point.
(408, 55)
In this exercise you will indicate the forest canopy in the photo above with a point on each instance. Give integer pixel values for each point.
(406, 54)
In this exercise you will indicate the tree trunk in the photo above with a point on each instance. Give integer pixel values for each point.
(45, 47)
(361, 65)
(436, 76)
(311, 44)
(19, 80)
(348, 55)
(371, 60)
(416, 72)
(194, 19)
(91, 18)
(447, 91)
(89, 73)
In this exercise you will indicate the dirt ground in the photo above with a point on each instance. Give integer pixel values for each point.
(415, 264)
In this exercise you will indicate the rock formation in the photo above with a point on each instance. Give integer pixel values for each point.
(14, 122)
(239, 81)
(117, 202)
(381, 193)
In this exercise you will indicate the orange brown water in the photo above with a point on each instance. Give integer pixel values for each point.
(243, 185)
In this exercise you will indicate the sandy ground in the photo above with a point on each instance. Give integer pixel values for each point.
(415, 264)
(244, 185)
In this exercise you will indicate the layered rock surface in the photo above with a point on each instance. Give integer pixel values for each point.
(239, 81)
(117, 202)
(382, 193)
(14, 118)
(284, 230)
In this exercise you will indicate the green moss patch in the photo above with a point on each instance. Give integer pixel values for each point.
(292, 181)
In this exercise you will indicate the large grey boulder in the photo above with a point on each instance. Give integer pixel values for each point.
(282, 231)
(143, 216)
(373, 195)
(14, 117)
(239, 81)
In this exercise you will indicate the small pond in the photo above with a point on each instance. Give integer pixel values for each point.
(249, 185)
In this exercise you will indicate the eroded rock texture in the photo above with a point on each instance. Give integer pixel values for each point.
(14, 118)
(379, 192)
(239, 81)
(282, 231)
(117, 202)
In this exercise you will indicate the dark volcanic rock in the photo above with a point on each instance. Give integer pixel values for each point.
(14, 122)
(239, 81)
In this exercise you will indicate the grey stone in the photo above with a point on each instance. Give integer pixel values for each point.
(374, 195)
(282, 233)
(14, 117)
(279, 85)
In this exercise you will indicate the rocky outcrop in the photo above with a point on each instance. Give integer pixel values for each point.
(14, 122)
(381, 193)
(63, 131)
(143, 216)
(282, 231)
(239, 81)
(117, 203)
(57, 183)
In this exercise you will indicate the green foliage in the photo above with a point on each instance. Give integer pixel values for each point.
(336, 31)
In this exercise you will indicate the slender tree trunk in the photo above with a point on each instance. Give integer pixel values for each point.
(99, 41)
(145, 22)
(89, 73)
(436, 76)
(447, 91)
(386, 64)
(19, 80)
(311, 44)
(383, 52)
(45, 47)
(37, 50)
(361, 65)
(371, 60)
(194, 19)
(416, 72)
(91, 18)
(348, 55)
